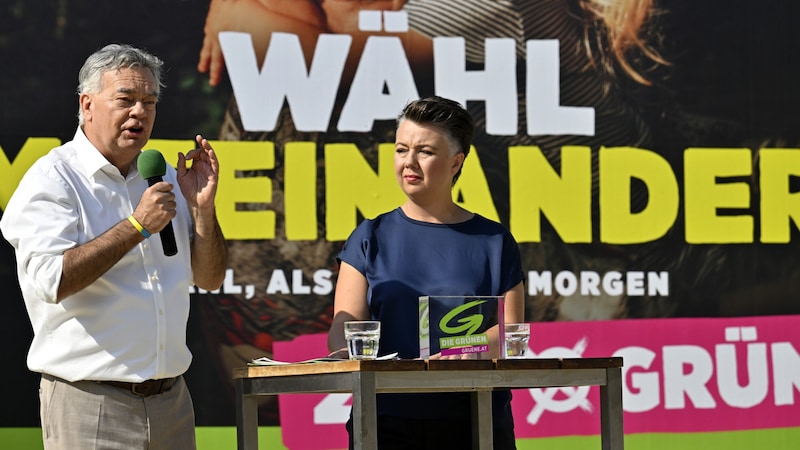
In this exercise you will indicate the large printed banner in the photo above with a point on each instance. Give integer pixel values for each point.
(645, 155)
(679, 375)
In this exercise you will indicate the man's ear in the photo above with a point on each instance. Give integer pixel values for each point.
(85, 102)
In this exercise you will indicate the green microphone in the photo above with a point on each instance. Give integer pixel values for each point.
(152, 167)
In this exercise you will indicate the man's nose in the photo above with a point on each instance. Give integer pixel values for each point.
(138, 109)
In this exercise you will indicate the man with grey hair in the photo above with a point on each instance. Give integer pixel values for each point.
(108, 307)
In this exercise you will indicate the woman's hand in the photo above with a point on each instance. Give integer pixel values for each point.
(439, 356)
(339, 354)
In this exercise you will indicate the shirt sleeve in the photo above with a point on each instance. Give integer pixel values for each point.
(40, 223)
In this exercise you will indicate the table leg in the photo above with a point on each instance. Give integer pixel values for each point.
(246, 418)
(482, 426)
(365, 417)
(612, 431)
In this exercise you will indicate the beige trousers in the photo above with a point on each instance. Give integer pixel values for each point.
(88, 415)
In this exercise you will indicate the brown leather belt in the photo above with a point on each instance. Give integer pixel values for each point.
(145, 388)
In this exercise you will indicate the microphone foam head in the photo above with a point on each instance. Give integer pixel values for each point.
(151, 164)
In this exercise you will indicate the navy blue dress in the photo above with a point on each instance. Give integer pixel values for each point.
(403, 259)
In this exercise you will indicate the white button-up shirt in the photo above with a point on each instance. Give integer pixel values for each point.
(130, 324)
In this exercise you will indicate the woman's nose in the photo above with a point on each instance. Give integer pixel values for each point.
(411, 159)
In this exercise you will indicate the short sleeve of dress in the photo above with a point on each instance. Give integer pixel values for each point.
(356, 247)
(512, 263)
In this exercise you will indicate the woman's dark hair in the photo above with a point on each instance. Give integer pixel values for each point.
(445, 114)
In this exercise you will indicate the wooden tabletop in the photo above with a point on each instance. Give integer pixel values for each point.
(308, 368)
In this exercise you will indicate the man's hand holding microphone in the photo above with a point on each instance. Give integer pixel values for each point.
(198, 184)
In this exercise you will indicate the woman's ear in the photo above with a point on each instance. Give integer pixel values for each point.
(458, 162)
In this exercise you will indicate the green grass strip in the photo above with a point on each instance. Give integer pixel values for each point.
(224, 438)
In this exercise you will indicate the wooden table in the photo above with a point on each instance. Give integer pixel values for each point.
(479, 377)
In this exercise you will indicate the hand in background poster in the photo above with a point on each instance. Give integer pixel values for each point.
(259, 18)
(341, 16)
(306, 19)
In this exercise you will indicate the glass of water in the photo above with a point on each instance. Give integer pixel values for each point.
(516, 340)
(362, 338)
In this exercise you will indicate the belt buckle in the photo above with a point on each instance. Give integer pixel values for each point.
(146, 388)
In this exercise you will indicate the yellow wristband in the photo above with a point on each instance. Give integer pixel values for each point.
(138, 226)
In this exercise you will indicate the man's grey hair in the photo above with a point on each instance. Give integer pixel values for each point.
(115, 57)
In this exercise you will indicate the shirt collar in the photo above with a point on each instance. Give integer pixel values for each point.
(93, 161)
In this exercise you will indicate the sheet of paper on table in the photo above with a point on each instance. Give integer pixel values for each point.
(264, 361)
